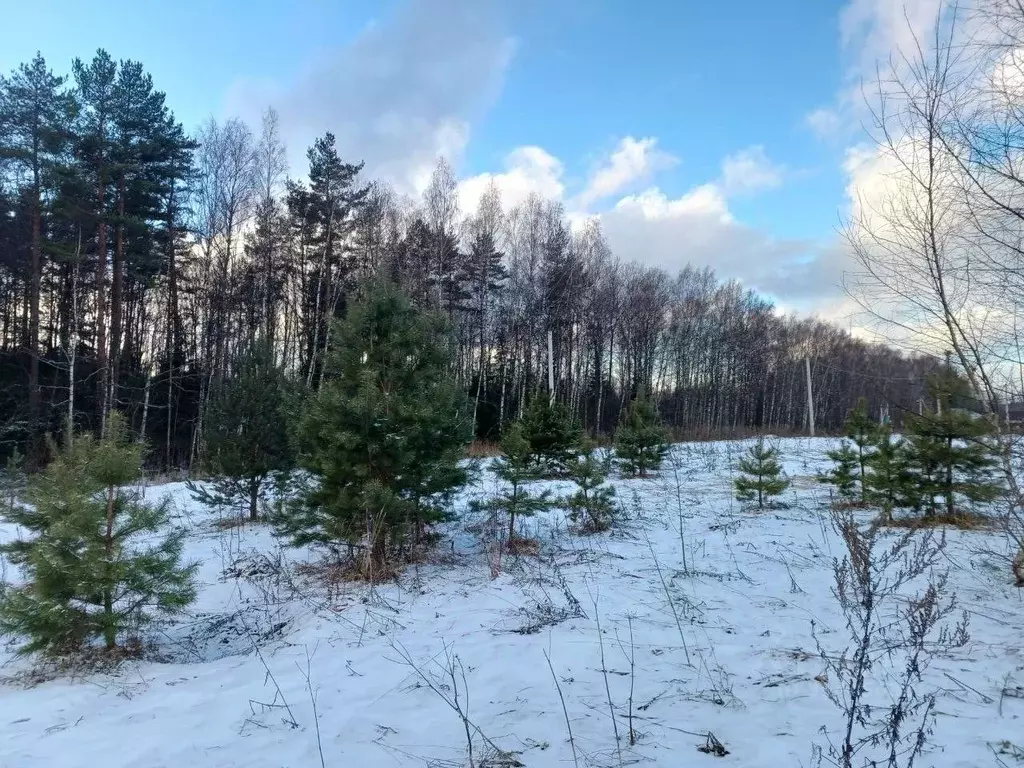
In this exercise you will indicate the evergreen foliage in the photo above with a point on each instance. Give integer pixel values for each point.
(246, 434)
(889, 481)
(641, 443)
(12, 480)
(517, 468)
(593, 505)
(552, 436)
(844, 475)
(949, 453)
(385, 434)
(863, 432)
(87, 573)
(761, 474)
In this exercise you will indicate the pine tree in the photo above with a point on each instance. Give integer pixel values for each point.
(593, 505)
(844, 473)
(92, 566)
(641, 443)
(385, 434)
(517, 467)
(246, 434)
(551, 434)
(761, 476)
(35, 113)
(863, 432)
(889, 479)
(948, 452)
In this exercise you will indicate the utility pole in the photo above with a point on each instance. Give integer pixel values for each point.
(551, 368)
(810, 396)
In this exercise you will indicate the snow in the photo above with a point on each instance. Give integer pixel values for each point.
(753, 584)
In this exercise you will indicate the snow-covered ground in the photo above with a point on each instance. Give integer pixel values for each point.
(269, 668)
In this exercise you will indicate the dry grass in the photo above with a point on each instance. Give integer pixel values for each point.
(482, 449)
(524, 546)
(333, 573)
(76, 664)
(965, 520)
(237, 521)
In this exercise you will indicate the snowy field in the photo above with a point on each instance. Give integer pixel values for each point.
(274, 670)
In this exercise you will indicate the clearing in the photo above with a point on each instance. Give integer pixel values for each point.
(273, 668)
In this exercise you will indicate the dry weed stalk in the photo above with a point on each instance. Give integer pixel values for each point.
(445, 683)
(893, 636)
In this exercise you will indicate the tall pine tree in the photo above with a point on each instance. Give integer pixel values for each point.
(35, 114)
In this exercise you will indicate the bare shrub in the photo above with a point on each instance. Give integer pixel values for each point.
(447, 680)
(893, 636)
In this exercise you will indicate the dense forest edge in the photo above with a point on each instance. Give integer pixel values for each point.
(141, 264)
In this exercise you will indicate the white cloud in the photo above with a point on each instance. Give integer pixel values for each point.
(824, 122)
(652, 204)
(403, 93)
(697, 227)
(871, 35)
(635, 160)
(749, 171)
(528, 170)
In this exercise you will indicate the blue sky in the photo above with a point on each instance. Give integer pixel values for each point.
(400, 81)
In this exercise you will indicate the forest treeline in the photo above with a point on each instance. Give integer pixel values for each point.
(139, 262)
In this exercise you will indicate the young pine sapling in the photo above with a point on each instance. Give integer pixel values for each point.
(761, 474)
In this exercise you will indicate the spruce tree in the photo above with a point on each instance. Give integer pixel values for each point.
(517, 468)
(844, 474)
(246, 435)
(949, 454)
(552, 436)
(888, 479)
(641, 443)
(94, 565)
(761, 474)
(385, 435)
(593, 504)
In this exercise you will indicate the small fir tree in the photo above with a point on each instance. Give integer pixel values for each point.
(93, 567)
(948, 450)
(641, 443)
(517, 468)
(889, 479)
(863, 432)
(593, 505)
(385, 435)
(761, 474)
(246, 434)
(552, 436)
(844, 473)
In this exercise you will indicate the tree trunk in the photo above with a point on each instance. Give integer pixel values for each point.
(254, 498)
(109, 630)
(116, 298)
(33, 314)
(101, 309)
